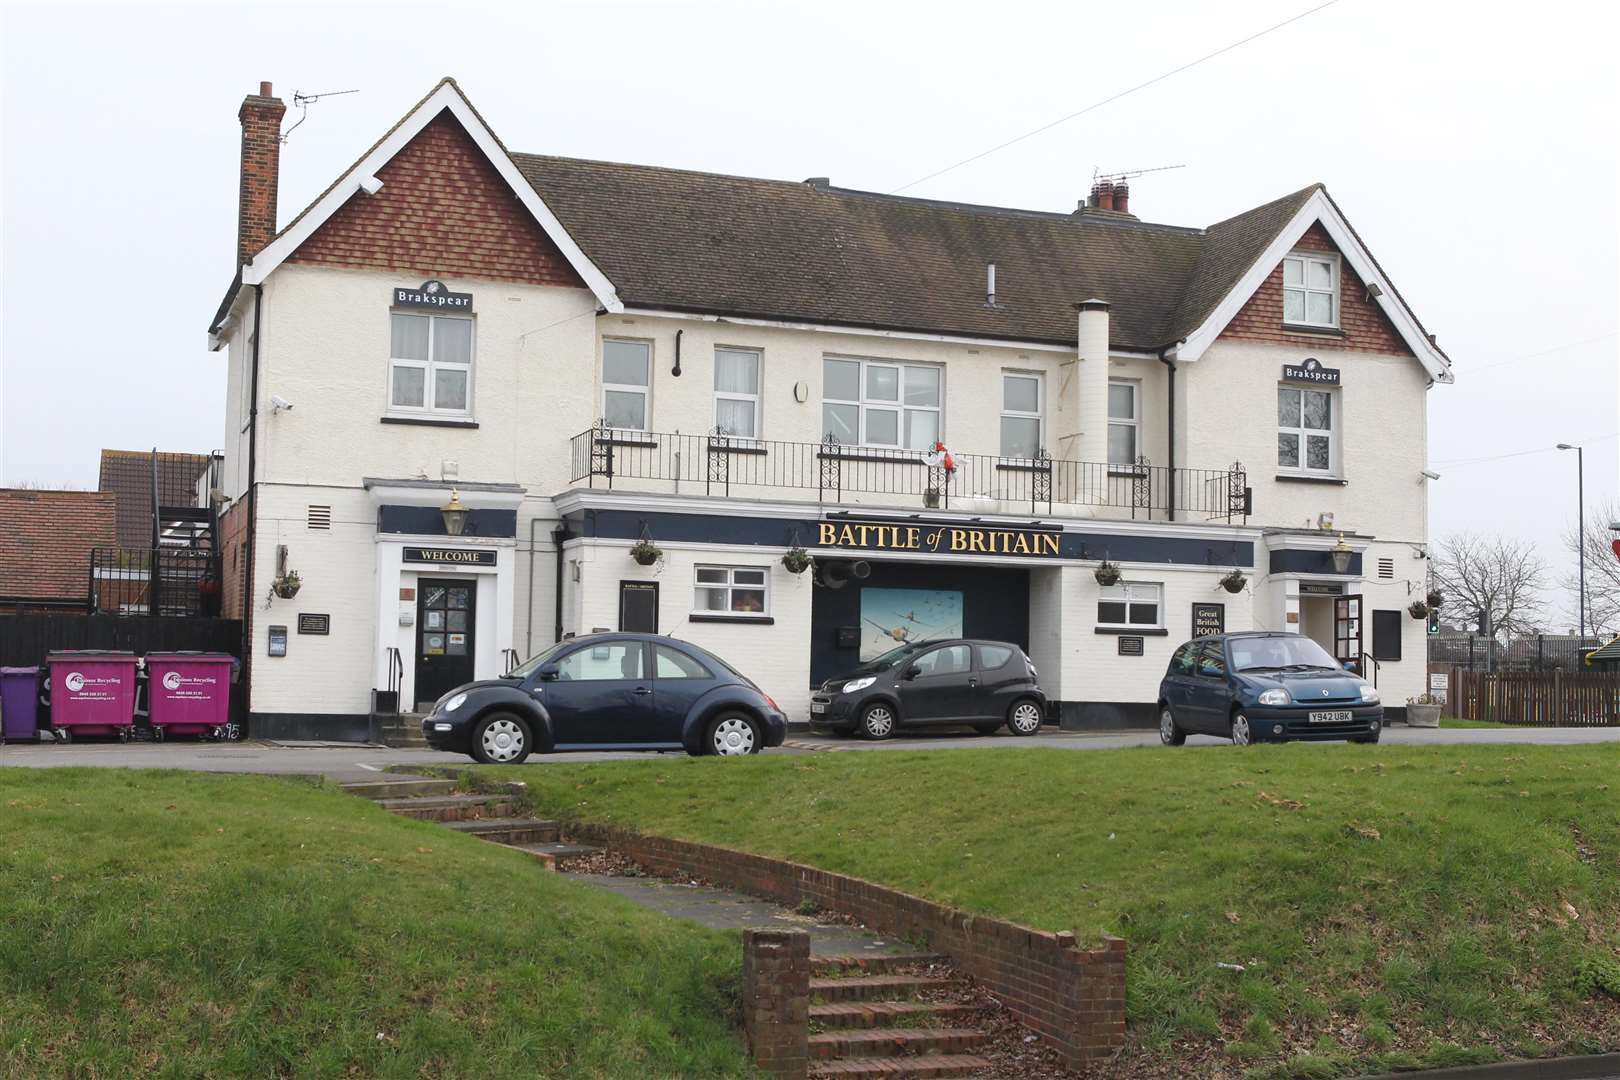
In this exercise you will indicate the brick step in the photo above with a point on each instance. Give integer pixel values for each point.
(509, 831)
(873, 987)
(403, 788)
(872, 964)
(559, 850)
(872, 1014)
(926, 1065)
(893, 1042)
(452, 807)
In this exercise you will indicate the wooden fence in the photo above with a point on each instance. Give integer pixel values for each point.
(1536, 699)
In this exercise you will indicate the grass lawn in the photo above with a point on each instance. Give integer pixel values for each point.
(1459, 722)
(165, 924)
(1392, 906)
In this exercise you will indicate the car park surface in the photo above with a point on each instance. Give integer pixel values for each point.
(608, 692)
(978, 684)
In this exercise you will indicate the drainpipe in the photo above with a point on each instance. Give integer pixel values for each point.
(1170, 422)
(528, 634)
(558, 535)
(252, 490)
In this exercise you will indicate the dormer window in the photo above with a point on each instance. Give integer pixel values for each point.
(1311, 290)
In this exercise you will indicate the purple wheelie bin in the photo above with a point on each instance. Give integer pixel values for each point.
(92, 693)
(19, 703)
(188, 693)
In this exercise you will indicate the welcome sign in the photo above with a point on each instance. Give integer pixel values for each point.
(936, 539)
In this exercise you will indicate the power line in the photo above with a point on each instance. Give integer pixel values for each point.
(1543, 352)
(1108, 100)
(1455, 462)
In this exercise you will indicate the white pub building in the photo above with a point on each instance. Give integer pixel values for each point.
(480, 400)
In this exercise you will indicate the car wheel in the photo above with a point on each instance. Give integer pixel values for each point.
(1170, 732)
(877, 722)
(501, 738)
(1024, 718)
(1241, 735)
(732, 735)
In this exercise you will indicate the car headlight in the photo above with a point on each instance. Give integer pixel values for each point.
(455, 703)
(858, 684)
(1369, 695)
(1273, 697)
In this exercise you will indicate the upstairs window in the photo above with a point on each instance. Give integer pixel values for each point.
(430, 366)
(1311, 290)
(1305, 429)
(1124, 421)
(626, 384)
(736, 392)
(880, 403)
(1020, 415)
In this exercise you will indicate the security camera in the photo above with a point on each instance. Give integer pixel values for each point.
(1431, 475)
(279, 403)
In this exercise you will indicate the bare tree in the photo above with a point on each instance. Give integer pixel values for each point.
(1602, 570)
(1503, 578)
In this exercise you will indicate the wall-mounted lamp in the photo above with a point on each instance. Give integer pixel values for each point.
(1341, 556)
(1373, 291)
(454, 514)
(1431, 474)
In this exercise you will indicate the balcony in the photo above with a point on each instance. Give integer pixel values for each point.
(727, 466)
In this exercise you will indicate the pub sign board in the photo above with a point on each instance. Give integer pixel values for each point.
(433, 294)
(450, 556)
(1132, 646)
(937, 539)
(1311, 371)
(311, 623)
(1208, 619)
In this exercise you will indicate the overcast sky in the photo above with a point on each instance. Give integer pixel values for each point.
(1473, 146)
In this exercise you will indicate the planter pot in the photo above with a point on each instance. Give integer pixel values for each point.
(1232, 585)
(645, 558)
(1423, 716)
(931, 499)
(796, 563)
(288, 589)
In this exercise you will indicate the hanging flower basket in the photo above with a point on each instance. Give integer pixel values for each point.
(646, 552)
(287, 585)
(1419, 609)
(1107, 573)
(1434, 598)
(797, 560)
(1233, 582)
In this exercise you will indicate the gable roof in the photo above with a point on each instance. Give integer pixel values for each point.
(729, 246)
(45, 546)
(126, 475)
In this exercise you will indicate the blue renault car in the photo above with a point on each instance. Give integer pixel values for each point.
(1264, 686)
(608, 692)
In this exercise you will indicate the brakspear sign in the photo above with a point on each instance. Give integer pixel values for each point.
(936, 539)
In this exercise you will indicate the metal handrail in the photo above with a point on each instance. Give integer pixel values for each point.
(717, 463)
(396, 670)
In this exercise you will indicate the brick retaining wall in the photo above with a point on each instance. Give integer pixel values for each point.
(1074, 997)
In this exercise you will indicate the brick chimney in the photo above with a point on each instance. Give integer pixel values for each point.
(261, 163)
(1122, 196)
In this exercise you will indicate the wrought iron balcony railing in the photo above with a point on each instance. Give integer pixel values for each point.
(723, 464)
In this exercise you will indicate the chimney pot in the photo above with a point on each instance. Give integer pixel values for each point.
(265, 90)
(1104, 193)
(1122, 196)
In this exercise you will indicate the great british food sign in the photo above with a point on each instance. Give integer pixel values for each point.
(936, 539)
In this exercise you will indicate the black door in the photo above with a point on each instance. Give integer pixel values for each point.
(1208, 696)
(602, 695)
(444, 635)
(638, 607)
(945, 686)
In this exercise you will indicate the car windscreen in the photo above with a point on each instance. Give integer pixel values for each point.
(531, 665)
(885, 661)
(1279, 654)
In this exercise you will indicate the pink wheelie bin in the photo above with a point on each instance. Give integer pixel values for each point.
(92, 693)
(188, 693)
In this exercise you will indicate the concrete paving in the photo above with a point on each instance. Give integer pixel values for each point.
(347, 761)
(722, 909)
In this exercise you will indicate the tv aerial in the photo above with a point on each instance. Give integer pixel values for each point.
(304, 101)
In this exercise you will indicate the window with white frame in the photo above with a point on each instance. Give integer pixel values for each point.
(1124, 421)
(731, 590)
(430, 365)
(1305, 429)
(1022, 399)
(626, 384)
(736, 392)
(1130, 604)
(881, 403)
(1311, 290)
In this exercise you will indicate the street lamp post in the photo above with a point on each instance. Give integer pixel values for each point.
(1580, 522)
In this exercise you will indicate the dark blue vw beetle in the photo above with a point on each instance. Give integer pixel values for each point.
(608, 692)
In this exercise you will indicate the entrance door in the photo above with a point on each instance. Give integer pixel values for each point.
(444, 635)
(1347, 632)
(945, 686)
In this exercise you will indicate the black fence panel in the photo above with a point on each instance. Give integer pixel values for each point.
(1531, 652)
(26, 639)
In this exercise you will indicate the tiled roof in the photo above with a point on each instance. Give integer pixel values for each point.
(127, 474)
(46, 541)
